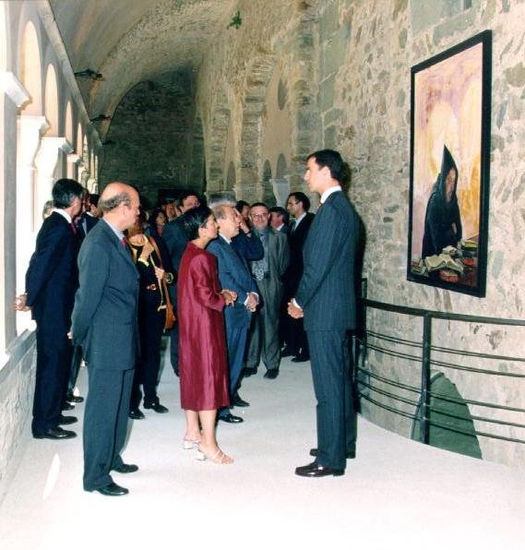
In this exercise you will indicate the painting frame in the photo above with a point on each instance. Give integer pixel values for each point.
(450, 122)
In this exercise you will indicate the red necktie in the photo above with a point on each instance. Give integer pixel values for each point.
(73, 228)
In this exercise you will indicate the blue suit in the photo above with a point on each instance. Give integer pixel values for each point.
(234, 275)
(327, 295)
(51, 281)
(105, 325)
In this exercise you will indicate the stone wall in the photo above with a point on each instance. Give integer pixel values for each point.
(366, 51)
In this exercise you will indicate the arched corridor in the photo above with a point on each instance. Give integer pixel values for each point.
(395, 494)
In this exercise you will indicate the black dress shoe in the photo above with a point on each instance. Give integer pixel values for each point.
(271, 374)
(237, 401)
(136, 414)
(74, 398)
(317, 470)
(65, 420)
(112, 490)
(249, 371)
(287, 352)
(349, 454)
(157, 407)
(231, 419)
(126, 468)
(301, 358)
(67, 406)
(55, 433)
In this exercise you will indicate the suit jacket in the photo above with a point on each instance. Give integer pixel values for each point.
(296, 240)
(250, 248)
(326, 291)
(278, 259)
(91, 221)
(52, 276)
(105, 312)
(233, 275)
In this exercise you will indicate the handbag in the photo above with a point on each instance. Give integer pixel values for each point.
(166, 303)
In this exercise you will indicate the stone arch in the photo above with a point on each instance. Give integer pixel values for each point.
(51, 100)
(31, 69)
(268, 196)
(231, 179)
(256, 84)
(282, 167)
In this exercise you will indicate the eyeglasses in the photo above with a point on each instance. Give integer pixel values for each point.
(261, 216)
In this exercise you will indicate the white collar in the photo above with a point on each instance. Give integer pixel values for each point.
(329, 191)
(63, 213)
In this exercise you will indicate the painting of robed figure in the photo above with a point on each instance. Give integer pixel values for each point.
(449, 170)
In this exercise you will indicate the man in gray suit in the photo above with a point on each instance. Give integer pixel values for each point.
(267, 272)
(105, 325)
(326, 298)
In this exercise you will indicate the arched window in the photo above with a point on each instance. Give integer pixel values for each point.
(51, 101)
(30, 69)
(267, 191)
(230, 177)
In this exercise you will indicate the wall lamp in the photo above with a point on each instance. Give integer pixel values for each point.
(89, 73)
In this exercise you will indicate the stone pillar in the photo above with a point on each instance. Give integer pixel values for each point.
(12, 97)
(46, 161)
(30, 130)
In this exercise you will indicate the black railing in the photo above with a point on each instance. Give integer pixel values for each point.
(383, 391)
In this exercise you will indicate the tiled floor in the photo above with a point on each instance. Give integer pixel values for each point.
(396, 494)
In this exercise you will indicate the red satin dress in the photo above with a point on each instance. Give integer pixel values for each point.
(203, 366)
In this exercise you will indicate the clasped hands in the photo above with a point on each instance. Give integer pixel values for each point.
(229, 296)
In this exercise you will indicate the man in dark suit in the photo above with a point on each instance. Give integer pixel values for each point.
(298, 205)
(233, 275)
(268, 272)
(51, 282)
(175, 238)
(327, 300)
(105, 325)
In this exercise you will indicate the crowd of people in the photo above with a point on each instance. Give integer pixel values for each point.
(247, 285)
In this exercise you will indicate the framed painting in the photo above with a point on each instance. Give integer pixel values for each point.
(450, 167)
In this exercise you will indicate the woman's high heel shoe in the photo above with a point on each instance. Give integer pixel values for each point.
(188, 444)
(217, 458)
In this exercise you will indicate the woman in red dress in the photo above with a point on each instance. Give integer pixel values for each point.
(202, 343)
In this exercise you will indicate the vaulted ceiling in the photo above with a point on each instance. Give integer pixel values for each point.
(129, 41)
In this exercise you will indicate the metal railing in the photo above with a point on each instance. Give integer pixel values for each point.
(392, 395)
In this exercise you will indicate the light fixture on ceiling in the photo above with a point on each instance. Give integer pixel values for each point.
(100, 118)
(236, 20)
(89, 73)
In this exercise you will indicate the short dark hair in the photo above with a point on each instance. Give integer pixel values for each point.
(193, 219)
(65, 191)
(339, 169)
(260, 204)
(282, 212)
(239, 205)
(299, 196)
(187, 194)
(93, 199)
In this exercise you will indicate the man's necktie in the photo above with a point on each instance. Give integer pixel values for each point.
(73, 228)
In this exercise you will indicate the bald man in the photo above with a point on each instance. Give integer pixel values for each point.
(105, 325)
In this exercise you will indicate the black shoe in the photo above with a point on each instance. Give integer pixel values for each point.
(136, 414)
(249, 371)
(237, 401)
(74, 398)
(349, 454)
(287, 352)
(231, 419)
(316, 470)
(271, 374)
(67, 406)
(112, 490)
(126, 468)
(157, 407)
(55, 433)
(65, 420)
(301, 358)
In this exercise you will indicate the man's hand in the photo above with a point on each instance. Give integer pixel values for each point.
(229, 296)
(295, 311)
(20, 303)
(252, 301)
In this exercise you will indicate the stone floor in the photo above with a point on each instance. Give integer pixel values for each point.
(396, 494)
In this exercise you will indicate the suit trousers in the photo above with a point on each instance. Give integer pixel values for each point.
(236, 343)
(54, 351)
(105, 424)
(264, 332)
(336, 427)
